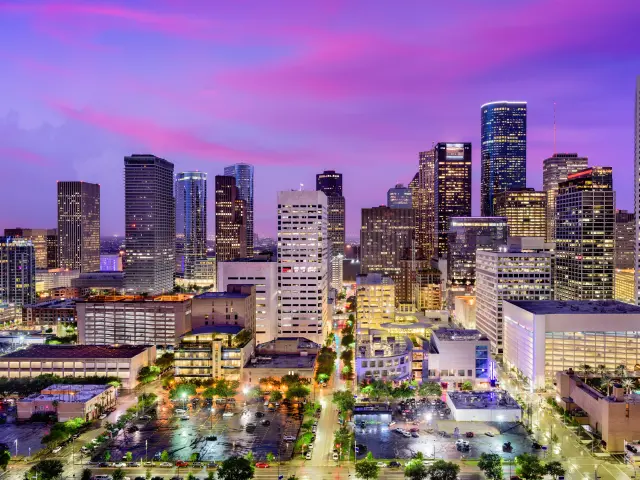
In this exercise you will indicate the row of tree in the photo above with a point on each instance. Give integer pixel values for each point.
(23, 387)
(384, 390)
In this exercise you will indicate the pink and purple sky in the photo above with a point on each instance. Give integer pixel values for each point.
(296, 87)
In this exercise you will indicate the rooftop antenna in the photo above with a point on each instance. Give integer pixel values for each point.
(554, 128)
(301, 185)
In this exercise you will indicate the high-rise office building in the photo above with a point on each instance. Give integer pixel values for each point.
(303, 277)
(330, 183)
(150, 224)
(555, 170)
(52, 248)
(452, 189)
(504, 151)
(38, 237)
(243, 173)
(231, 220)
(468, 235)
(426, 208)
(508, 275)
(636, 190)
(375, 300)
(525, 210)
(625, 232)
(191, 221)
(17, 271)
(585, 224)
(79, 226)
(386, 234)
(399, 197)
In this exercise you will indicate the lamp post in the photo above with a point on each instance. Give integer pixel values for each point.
(16, 447)
(184, 400)
(146, 450)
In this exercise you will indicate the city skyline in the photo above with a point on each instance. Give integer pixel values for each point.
(288, 141)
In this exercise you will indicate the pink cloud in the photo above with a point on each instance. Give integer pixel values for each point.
(20, 154)
(166, 140)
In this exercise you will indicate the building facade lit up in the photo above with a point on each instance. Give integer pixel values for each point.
(525, 210)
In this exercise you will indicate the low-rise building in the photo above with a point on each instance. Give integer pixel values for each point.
(380, 356)
(49, 313)
(456, 356)
(235, 306)
(492, 406)
(54, 278)
(613, 416)
(465, 311)
(87, 402)
(624, 285)
(123, 362)
(134, 320)
(102, 281)
(277, 366)
(546, 337)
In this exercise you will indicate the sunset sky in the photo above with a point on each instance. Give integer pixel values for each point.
(296, 87)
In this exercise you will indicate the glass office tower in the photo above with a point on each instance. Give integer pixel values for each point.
(191, 221)
(243, 173)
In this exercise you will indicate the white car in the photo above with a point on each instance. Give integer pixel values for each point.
(56, 450)
(335, 456)
(382, 465)
(228, 414)
(120, 465)
(311, 446)
(308, 456)
(179, 411)
(102, 477)
(392, 424)
(406, 434)
(103, 416)
(289, 438)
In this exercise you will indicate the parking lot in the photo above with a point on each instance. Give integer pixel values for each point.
(209, 433)
(430, 430)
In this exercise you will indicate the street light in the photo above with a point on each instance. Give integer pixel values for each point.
(184, 399)
(16, 447)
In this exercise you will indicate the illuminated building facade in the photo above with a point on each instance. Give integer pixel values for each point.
(231, 228)
(585, 223)
(150, 224)
(375, 300)
(625, 232)
(452, 189)
(525, 210)
(385, 236)
(17, 271)
(330, 183)
(555, 170)
(624, 288)
(303, 263)
(399, 197)
(79, 226)
(38, 238)
(243, 173)
(424, 204)
(191, 221)
(508, 275)
(52, 248)
(504, 151)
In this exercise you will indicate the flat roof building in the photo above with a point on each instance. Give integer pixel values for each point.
(542, 338)
(375, 300)
(51, 312)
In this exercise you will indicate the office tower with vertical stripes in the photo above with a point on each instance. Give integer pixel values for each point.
(79, 226)
(191, 221)
(243, 173)
(150, 224)
(17, 271)
(231, 220)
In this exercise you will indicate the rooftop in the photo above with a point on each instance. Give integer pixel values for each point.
(283, 361)
(77, 351)
(224, 329)
(582, 307)
(222, 295)
(137, 298)
(67, 393)
(494, 400)
(459, 335)
(58, 303)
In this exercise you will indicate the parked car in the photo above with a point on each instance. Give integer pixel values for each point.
(228, 414)
(394, 464)
(537, 446)
(469, 434)
(415, 434)
(335, 456)
(213, 465)
(184, 417)
(308, 456)
(103, 416)
(56, 450)
(179, 411)
(406, 434)
(166, 464)
(182, 463)
(196, 465)
(133, 464)
(259, 414)
(489, 434)
(120, 465)
(382, 465)
(265, 423)
(289, 438)
(506, 447)
(262, 465)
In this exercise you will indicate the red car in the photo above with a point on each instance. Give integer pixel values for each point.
(182, 463)
(262, 465)
(469, 434)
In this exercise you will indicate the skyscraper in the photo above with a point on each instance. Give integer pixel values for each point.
(191, 221)
(625, 233)
(150, 224)
(17, 271)
(243, 173)
(452, 189)
(426, 208)
(231, 226)
(79, 226)
(504, 150)
(554, 171)
(38, 237)
(386, 235)
(585, 216)
(303, 277)
(636, 190)
(52, 248)
(399, 197)
(330, 183)
(525, 210)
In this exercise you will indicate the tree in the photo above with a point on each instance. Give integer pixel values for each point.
(601, 370)
(292, 477)
(491, 466)
(128, 457)
(344, 400)
(291, 379)
(429, 389)
(275, 396)
(164, 456)
(466, 386)
(86, 474)
(367, 469)
(55, 404)
(442, 470)
(191, 476)
(628, 384)
(118, 474)
(211, 475)
(194, 457)
(235, 468)
(107, 456)
(226, 388)
(403, 391)
(348, 340)
(415, 470)
(297, 391)
(47, 469)
(148, 474)
(529, 467)
(5, 456)
(555, 469)
(249, 456)
(270, 457)
(621, 370)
